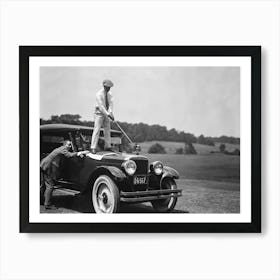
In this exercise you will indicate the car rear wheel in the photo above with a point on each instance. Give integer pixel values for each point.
(105, 195)
(168, 204)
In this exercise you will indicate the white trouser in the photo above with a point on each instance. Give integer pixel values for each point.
(101, 120)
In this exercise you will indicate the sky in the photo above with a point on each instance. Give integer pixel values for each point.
(198, 100)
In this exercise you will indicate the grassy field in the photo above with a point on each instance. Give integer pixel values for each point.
(170, 147)
(214, 167)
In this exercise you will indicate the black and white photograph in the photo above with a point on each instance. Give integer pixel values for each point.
(152, 139)
(149, 139)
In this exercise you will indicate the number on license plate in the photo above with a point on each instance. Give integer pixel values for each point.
(139, 180)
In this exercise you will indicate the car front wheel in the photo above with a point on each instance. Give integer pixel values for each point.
(168, 204)
(105, 195)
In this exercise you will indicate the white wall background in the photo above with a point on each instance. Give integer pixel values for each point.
(139, 256)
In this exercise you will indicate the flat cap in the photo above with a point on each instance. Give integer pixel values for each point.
(107, 83)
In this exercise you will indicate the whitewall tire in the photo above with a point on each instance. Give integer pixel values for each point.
(105, 195)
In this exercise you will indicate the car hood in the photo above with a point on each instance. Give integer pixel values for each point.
(115, 156)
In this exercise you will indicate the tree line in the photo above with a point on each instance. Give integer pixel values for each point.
(141, 132)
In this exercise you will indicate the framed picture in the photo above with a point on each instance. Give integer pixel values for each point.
(159, 138)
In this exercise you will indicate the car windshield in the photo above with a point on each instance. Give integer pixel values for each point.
(83, 141)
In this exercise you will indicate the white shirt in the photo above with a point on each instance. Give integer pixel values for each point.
(100, 105)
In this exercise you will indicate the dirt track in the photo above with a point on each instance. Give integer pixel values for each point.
(199, 196)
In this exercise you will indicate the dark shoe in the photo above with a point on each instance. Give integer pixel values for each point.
(50, 207)
(108, 150)
(93, 151)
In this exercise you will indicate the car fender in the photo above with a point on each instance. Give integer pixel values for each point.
(114, 172)
(169, 172)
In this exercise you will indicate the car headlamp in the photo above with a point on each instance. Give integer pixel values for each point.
(129, 167)
(157, 167)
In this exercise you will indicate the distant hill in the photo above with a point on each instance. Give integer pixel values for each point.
(141, 132)
(170, 147)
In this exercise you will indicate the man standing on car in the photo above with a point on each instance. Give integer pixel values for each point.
(102, 115)
(51, 167)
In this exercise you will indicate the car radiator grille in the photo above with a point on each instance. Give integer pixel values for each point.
(142, 166)
(142, 169)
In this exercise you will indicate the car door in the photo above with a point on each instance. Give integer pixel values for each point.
(72, 167)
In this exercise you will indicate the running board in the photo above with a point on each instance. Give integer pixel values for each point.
(67, 191)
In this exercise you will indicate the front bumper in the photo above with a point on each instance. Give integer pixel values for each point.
(144, 196)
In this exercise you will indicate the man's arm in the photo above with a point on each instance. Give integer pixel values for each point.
(110, 101)
(68, 154)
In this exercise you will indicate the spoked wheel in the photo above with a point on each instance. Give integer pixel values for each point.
(105, 195)
(168, 204)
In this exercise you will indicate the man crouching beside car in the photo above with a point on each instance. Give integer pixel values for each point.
(51, 167)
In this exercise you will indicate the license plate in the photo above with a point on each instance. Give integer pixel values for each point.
(139, 180)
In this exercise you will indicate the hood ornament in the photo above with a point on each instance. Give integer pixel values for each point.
(137, 148)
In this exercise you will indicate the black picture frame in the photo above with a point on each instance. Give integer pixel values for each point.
(25, 52)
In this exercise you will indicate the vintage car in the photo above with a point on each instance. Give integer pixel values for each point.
(110, 178)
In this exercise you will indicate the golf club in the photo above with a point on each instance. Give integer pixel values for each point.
(123, 132)
(137, 147)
